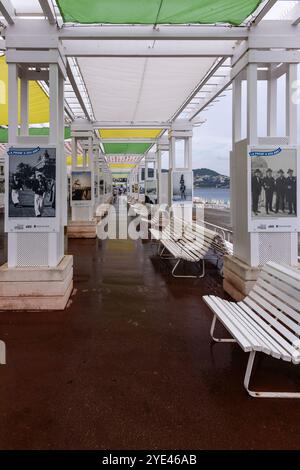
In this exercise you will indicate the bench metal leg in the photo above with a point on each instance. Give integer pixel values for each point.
(219, 340)
(255, 394)
(164, 256)
(189, 276)
(2, 352)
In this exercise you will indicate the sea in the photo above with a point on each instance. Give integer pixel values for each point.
(213, 195)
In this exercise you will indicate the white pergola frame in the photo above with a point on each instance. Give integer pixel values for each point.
(253, 42)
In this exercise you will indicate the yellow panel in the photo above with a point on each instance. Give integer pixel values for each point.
(79, 160)
(122, 165)
(38, 100)
(129, 133)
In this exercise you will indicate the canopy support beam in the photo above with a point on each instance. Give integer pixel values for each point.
(8, 11)
(48, 11)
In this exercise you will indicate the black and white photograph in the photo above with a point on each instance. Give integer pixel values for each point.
(96, 187)
(135, 188)
(142, 187)
(101, 186)
(32, 182)
(151, 191)
(81, 186)
(274, 184)
(182, 186)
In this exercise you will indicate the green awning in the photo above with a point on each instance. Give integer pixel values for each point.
(126, 148)
(157, 11)
(35, 131)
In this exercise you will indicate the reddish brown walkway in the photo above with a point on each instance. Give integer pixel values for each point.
(130, 365)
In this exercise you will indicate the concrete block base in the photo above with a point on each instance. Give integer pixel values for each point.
(82, 229)
(239, 278)
(36, 288)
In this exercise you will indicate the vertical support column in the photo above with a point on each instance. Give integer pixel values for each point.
(158, 175)
(254, 248)
(13, 103)
(252, 104)
(45, 279)
(272, 102)
(83, 220)
(24, 128)
(291, 105)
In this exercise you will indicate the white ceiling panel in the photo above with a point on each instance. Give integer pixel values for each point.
(140, 89)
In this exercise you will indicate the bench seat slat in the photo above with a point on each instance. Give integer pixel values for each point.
(280, 341)
(279, 311)
(242, 340)
(282, 286)
(270, 319)
(280, 295)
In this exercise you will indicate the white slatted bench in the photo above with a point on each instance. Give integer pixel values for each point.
(267, 320)
(158, 220)
(102, 210)
(187, 242)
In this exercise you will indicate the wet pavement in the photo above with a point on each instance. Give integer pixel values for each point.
(130, 365)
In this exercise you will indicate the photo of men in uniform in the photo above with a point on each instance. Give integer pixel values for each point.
(274, 185)
(81, 185)
(32, 182)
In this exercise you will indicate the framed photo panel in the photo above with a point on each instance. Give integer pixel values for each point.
(273, 199)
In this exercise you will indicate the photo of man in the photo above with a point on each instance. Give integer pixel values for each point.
(280, 191)
(291, 192)
(32, 182)
(183, 186)
(256, 187)
(269, 187)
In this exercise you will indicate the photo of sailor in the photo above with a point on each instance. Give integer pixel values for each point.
(39, 187)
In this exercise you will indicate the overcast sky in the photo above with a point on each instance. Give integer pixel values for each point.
(212, 140)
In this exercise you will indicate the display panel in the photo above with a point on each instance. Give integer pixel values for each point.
(272, 189)
(81, 188)
(31, 190)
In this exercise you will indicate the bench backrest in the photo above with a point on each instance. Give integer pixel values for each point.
(276, 298)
